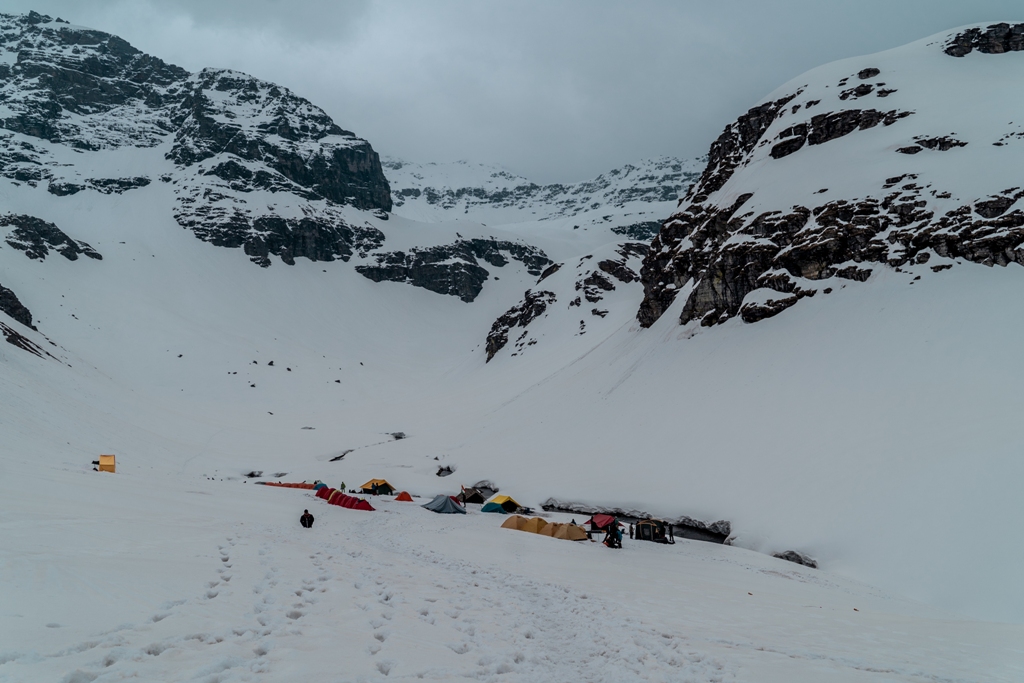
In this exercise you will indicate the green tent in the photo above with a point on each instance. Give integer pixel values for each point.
(493, 507)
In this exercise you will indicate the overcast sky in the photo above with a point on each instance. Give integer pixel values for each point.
(558, 90)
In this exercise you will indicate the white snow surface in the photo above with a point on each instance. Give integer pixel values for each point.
(873, 429)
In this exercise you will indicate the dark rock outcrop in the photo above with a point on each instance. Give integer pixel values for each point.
(453, 269)
(36, 237)
(533, 306)
(644, 231)
(995, 39)
(798, 558)
(12, 306)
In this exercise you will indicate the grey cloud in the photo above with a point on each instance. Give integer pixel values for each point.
(553, 90)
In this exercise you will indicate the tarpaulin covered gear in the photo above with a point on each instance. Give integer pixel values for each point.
(445, 505)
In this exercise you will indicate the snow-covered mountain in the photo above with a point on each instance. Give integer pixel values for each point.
(205, 275)
(631, 201)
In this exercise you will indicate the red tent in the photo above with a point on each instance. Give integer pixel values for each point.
(404, 497)
(324, 493)
(362, 505)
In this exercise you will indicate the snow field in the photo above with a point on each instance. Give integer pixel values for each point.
(182, 578)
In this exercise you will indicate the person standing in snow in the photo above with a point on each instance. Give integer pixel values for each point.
(343, 487)
(374, 488)
(631, 530)
(306, 520)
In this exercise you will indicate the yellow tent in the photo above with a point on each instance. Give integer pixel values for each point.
(383, 487)
(507, 502)
(549, 529)
(570, 532)
(107, 463)
(514, 522)
(534, 525)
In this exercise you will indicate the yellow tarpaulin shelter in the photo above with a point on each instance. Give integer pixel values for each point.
(507, 503)
(107, 463)
(383, 487)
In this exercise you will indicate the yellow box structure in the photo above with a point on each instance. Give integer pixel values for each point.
(106, 463)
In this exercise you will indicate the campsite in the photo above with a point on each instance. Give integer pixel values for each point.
(402, 592)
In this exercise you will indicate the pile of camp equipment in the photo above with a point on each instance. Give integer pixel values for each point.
(536, 525)
(378, 487)
(654, 530)
(446, 505)
(336, 497)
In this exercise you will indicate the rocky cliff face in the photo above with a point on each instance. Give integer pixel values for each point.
(253, 165)
(854, 166)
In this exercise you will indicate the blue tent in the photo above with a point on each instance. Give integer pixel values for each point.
(319, 486)
(493, 507)
(444, 505)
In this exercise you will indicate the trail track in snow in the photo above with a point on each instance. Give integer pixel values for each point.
(360, 603)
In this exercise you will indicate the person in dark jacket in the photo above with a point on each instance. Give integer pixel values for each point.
(374, 488)
(306, 520)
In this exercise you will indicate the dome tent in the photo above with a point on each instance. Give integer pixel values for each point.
(404, 497)
(493, 507)
(445, 505)
(508, 503)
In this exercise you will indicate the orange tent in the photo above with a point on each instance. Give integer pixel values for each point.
(404, 497)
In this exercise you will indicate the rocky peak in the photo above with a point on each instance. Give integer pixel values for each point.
(918, 186)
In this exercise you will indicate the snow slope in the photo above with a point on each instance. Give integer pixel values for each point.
(631, 201)
(872, 429)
